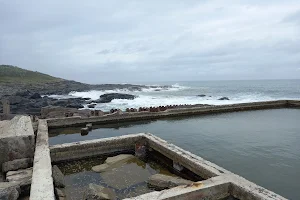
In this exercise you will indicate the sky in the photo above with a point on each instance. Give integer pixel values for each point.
(152, 41)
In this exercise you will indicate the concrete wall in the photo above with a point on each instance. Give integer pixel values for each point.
(220, 182)
(42, 182)
(83, 149)
(72, 121)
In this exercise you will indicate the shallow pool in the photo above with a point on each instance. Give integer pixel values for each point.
(262, 146)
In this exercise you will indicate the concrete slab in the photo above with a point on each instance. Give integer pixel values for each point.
(16, 139)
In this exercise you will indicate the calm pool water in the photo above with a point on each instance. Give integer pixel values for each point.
(262, 146)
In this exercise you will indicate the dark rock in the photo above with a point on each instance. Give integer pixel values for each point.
(14, 100)
(58, 177)
(224, 98)
(106, 98)
(87, 98)
(92, 105)
(36, 96)
(201, 95)
(60, 103)
(85, 131)
(74, 105)
(25, 93)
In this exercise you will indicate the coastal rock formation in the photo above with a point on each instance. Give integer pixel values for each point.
(201, 95)
(106, 98)
(97, 192)
(161, 181)
(224, 98)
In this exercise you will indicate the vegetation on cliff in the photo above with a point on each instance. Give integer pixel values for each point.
(13, 74)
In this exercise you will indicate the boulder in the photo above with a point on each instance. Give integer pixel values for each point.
(58, 177)
(91, 105)
(161, 182)
(84, 131)
(224, 98)
(97, 192)
(75, 105)
(17, 164)
(106, 98)
(201, 95)
(35, 96)
(9, 190)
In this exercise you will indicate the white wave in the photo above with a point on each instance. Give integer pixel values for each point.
(148, 101)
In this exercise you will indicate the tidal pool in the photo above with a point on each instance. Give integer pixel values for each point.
(126, 179)
(262, 146)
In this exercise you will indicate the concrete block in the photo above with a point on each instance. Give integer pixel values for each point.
(17, 164)
(58, 177)
(16, 139)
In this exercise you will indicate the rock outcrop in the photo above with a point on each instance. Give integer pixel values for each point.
(224, 98)
(106, 98)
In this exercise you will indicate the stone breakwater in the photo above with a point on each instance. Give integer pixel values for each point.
(99, 117)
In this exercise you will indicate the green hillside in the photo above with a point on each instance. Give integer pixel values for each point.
(12, 74)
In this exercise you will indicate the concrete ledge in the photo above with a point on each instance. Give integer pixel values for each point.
(78, 150)
(65, 122)
(194, 163)
(42, 182)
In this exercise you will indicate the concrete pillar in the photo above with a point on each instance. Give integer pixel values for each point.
(6, 107)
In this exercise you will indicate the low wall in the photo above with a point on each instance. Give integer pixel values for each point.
(42, 182)
(219, 182)
(83, 149)
(113, 118)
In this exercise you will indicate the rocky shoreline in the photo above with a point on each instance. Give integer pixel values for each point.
(29, 99)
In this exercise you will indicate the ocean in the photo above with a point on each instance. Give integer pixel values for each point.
(187, 92)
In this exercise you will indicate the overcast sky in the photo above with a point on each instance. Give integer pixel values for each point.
(131, 41)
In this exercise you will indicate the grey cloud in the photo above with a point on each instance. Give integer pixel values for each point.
(131, 41)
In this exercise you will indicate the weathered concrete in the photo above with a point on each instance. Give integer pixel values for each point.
(42, 182)
(16, 139)
(83, 149)
(220, 183)
(135, 116)
(161, 181)
(17, 164)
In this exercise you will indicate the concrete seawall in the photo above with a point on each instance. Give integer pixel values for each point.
(113, 118)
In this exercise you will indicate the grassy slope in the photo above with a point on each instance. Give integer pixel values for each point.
(12, 74)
